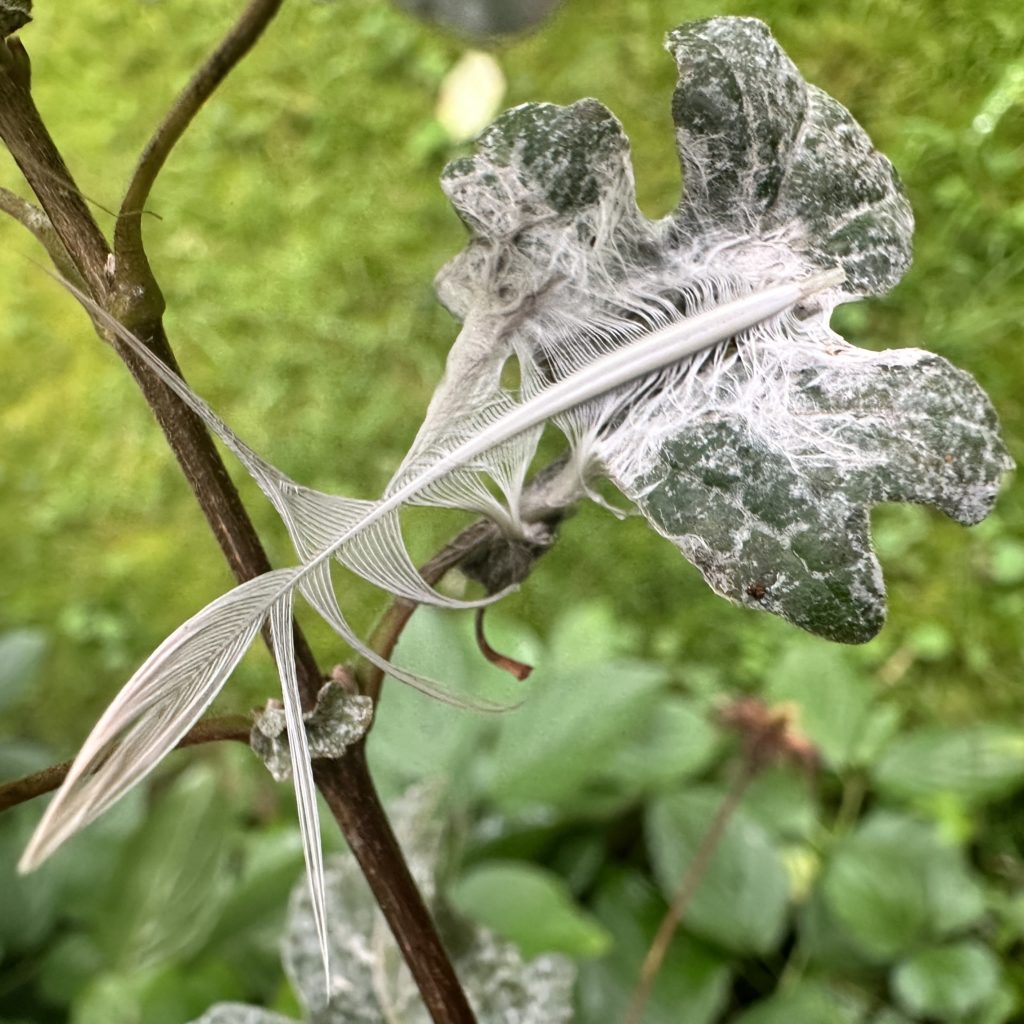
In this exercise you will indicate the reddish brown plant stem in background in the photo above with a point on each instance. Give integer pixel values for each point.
(684, 894)
(767, 735)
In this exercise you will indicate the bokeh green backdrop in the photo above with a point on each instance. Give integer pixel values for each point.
(300, 225)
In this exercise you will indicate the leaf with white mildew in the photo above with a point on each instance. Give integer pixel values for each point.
(370, 984)
(760, 458)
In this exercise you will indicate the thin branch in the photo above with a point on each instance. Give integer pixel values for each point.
(29, 216)
(541, 503)
(211, 730)
(235, 45)
(684, 894)
(389, 629)
(34, 151)
(38, 224)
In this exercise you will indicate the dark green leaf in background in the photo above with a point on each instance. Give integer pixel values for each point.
(548, 750)
(693, 984)
(171, 883)
(806, 1003)
(528, 906)
(781, 800)
(675, 743)
(895, 883)
(825, 940)
(740, 902)
(29, 904)
(833, 699)
(21, 655)
(949, 983)
(170, 994)
(974, 762)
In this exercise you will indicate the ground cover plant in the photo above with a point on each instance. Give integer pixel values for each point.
(579, 274)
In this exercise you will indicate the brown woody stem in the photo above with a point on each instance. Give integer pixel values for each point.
(18, 791)
(34, 151)
(126, 288)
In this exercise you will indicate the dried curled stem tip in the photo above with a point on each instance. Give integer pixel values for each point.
(770, 733)
(515, 668)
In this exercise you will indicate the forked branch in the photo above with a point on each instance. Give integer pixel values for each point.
(234, 46)
(36, 154)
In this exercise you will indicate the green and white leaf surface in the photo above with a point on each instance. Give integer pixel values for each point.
(369, 982)
(761, 458)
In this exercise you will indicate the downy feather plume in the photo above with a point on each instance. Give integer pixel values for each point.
(628, 334)
(179, 681)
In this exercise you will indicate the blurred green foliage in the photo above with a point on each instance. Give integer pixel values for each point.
(300, 224)
(869, 892)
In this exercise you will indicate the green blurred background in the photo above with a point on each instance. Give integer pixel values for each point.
(300, 225)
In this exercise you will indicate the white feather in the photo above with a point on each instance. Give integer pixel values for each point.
(474, 431)
(155, 708)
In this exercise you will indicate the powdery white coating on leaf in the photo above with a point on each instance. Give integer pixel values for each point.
(240, 1013)
(505, 989)
(370, 983)
(766, 155)
(759, 458)
(786, 530)
(338, 720)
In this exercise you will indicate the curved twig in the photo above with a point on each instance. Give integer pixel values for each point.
(684, 894)
(29, 216)
(392, 623)
(35, 221)
(18, 791)
(543, 501)
(35, 152)
(234, 46)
